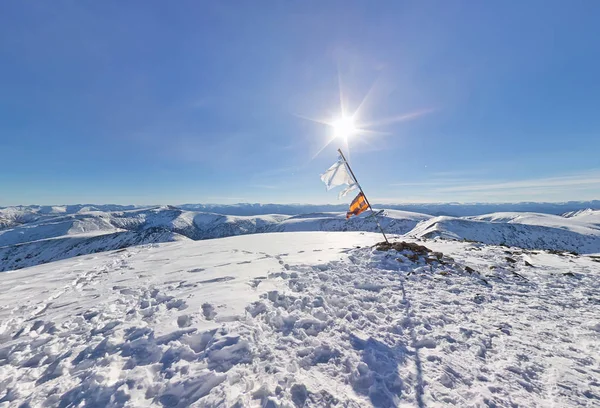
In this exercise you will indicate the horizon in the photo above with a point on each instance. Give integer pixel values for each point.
(291, 204)
(230, 103)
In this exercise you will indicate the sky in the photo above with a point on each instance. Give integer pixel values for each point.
(152, 102)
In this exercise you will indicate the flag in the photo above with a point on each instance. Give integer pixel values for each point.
(337, 175)
(358, 205)
(348, 189)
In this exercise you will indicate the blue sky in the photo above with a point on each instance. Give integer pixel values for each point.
(173, 102)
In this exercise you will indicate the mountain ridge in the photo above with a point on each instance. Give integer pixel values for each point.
(61, 236)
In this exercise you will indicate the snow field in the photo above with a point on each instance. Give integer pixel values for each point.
(302, 319)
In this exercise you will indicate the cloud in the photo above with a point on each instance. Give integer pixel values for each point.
(431, 183)
(590, 179)
(584, 185)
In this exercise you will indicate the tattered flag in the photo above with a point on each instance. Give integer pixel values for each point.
(358, 205)
(337, 175)
(348, 189)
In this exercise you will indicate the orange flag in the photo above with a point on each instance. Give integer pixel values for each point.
(358, 205)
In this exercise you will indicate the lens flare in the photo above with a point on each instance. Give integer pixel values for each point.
(344, 127)
(352, 125)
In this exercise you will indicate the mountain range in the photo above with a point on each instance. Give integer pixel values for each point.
(35, 235)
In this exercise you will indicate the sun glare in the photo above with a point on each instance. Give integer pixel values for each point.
(349, 126)
(344, 127)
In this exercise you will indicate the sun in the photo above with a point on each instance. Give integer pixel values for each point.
(351, 124)
(344, 127)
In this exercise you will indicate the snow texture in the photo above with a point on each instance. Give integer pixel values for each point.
(305, 319)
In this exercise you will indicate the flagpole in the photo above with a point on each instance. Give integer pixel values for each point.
(364, 195)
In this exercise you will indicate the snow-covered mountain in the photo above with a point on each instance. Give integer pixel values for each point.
(249, 209)
(62, 236)
(588, 215)
(53, 236)
(436, 209)
(525, 230)
(305, 319)
(14, 216)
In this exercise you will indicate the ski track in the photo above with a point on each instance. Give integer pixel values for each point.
(358, 328)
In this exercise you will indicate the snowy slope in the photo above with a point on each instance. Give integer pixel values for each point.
(17, 215)
(55, 227)
(577, 224)
(302, 320)
(54, 249)
(586, 216)
(13, 216)
(51, 238)
(393, 221)
(54, 237)
(533, 231)
(196, 225)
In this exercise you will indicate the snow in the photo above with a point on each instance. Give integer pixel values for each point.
(397, 222)
(587, 216)
(54, 228)
(525, 230)
(302, 319)
(435, 209)
(579, 224)
(52, 238)
(59, 236)
(248, 209)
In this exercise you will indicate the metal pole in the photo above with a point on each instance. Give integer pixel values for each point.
(361, 190)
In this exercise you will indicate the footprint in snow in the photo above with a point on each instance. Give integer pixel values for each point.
(225, 264)
(184, 321)
(256, 281)
(215, 280)
(178, 304)
(208, 311)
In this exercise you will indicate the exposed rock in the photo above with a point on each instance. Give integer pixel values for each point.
(403, 246)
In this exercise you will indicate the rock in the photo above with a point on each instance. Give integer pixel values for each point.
(403, 246)
(413, 257)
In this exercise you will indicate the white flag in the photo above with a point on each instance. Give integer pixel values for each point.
(348, 189)
(337, 175)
